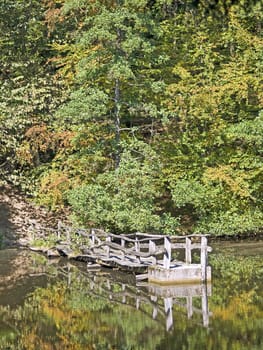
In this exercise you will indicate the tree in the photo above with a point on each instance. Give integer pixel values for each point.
(29, 92)
(180, 79)
(213, 138)
(115, 66)
(124, 200)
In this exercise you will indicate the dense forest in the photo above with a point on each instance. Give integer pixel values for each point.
(136, 115)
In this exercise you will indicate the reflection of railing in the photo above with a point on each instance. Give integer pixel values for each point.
(161, 299)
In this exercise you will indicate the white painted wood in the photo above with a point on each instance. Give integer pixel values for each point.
(203, 258)
(167, 253)
(137, 245)
(123, 243)
(152, 246)
(107, 248)
(93, 237)
(188, 252)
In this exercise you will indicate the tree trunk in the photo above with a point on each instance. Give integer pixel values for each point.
(117, 122)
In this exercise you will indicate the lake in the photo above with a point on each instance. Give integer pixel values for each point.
(57, 304)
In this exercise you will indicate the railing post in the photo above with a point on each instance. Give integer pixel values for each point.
(203, 258)
(108, 239)
(152, 247)
(92, 237)
(152, 250)
(68, 239)
(167, 253)
(59, 229)
(188, 252)
(137, 245)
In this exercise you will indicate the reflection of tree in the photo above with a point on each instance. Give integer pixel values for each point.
(237, 307)
(68, 315)
(60, 317)
(86, 319)
(20, 272)
(237, 301)
(234, 274)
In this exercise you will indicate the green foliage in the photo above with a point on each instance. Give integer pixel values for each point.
(29, 91)
(232, 222)
(47, 242)
(123, 200)
(112, 56)
(213, 125)
(221, 204)
(81, 79)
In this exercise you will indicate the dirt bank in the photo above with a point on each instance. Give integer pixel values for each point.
(16, 215)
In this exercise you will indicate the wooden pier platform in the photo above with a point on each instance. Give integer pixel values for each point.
(184, 273)
(160, 259)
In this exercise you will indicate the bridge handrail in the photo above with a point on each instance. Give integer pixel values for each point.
(136, 243)
(138, 236)
(128, 251)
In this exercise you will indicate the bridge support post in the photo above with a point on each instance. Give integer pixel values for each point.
(168, 253)
(188, 253)
(203, 259)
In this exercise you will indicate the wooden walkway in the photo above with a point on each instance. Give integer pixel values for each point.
(158, 258)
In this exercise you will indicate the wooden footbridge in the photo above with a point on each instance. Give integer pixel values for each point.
(158, 258)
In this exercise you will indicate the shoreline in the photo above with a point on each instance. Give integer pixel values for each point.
(17, 213)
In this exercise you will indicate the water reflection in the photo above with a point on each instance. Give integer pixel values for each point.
(182, 295)
(56, 305)
(18, 276)
(158, 299)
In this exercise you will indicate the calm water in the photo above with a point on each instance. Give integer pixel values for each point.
(58, 305)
